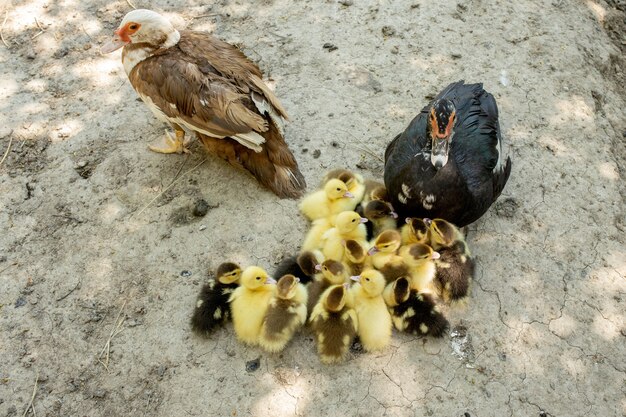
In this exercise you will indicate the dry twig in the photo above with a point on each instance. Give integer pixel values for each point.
(167, 188)
(41, 29)
(106, 350)
(8, 149)
(130, 4)
(6, 16)
(32, 398)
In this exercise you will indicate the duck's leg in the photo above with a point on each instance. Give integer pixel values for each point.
(172, 144)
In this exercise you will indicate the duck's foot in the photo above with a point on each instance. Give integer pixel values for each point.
(172, 144)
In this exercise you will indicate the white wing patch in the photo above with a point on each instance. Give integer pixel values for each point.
(427, 201)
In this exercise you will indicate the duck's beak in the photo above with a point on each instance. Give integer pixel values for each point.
(372, 250)
(435, 255)
(318, 267)
(113, 44)
(348, 194)
(270, 281)
(363, 220)
(439, 152)
(356, 278)
(394, 214)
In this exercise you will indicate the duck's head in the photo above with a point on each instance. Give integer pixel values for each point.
(255, 278)
(387, 242)
(307, 262)
(228, 273)
(418, 254)
(347, 221)
(286, 287)
(443, 233)
(143, 26)
(335, 297)
(354, 251)
(441, 128)
(372, 281)
(333, 271)
(335, 189)
(397, 292)
(418, 228)
(377, 209)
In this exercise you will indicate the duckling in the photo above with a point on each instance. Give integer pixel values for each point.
(455, 267)
(301, 266)
(333, 273)
(249, 303)
(212, 307)
(412, 311)
(355, 183)
(372, 314)
(381, 217)
(314, 238)
(285, 315)
(334, 322)
(348, 225)
(332, 199)
(374, 190)
(420, 259)
(415, 231)
(355, 257)
(385, 248)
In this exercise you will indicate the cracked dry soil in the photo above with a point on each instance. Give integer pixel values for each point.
(101, 255)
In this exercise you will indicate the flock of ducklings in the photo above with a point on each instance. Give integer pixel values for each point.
(357, 275)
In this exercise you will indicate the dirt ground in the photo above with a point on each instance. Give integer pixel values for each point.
(101, 255)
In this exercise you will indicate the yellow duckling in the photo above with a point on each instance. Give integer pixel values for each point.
(420, 259)
(412, 311)
(415, 231)
(348, 225)
(334, 323)
(354, 182)
(455, 267)
(333, 273)
(372, 314)
(249, 303)
(332, 199)
(285, 315)
(314, 238)
(385, 248)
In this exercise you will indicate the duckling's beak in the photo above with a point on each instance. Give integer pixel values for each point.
(348, 194)
(318, 267)
(269, 281)
(407, 220)
(427, 221)
(435, 255)
(356, 278)
(297, 280)
(439, 153)
(373, 250)
(394, 214)
(363, 220)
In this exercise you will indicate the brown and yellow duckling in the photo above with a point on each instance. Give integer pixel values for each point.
(285, 315)
(413, 311)
(332, 273)
(385, 248)
(381, 217)
(355, 183)
(374, 319)
(455, 267)
(249, 303)
(334, 322)
(212, 308)
(301, 266)
(415, 231)
(355, 257)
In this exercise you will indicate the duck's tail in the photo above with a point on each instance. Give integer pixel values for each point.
(275, 166)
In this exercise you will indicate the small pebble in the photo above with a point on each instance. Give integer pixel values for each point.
(330, 47)
(388, 31)
(81, 164)
(99, 393)
(203, 227)
(346, 3)
(20, 302)
(395, 50)
(201, 208)
(3, 258)
(185, 273)
(316, 153)
(253, 365)
(456, 56)
(334, 144)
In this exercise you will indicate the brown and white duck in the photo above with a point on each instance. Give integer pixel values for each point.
(448, 163)
(198, 83)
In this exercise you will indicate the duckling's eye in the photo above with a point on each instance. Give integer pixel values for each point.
(258, 278)
(367, 279)
(353, 220)
(338, 189)
(133, 27)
